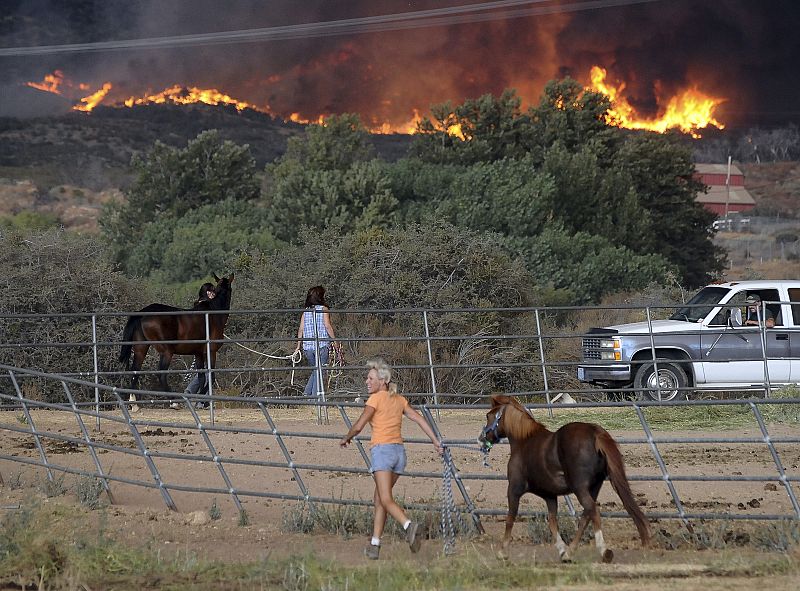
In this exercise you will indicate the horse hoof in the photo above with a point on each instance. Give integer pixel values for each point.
(502, 555)
(608, 556)
(566, 558)
(135, 408)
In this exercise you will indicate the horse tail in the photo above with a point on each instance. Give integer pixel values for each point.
(606, 445)
(133, 326)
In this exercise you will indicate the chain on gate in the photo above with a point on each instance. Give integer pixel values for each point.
(448, 502)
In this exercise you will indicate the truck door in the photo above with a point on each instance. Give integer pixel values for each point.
(735, 354)
(794, 334)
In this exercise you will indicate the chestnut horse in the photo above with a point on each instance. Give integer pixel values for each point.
(141, 330)
(575, 459)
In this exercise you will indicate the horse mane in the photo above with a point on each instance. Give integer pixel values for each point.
(518, 423)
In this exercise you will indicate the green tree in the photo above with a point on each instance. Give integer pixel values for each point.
(204, 240)
(326, 180)
(479, 130)
(574, 117)
(504, 196)
(592, 198)
(172, 181)
(356, 197)
(336, 145)
(679, 227)
(590, 266)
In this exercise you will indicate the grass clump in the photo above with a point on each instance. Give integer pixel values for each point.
(14, 481)
(214, 511)
(780, 535)
(244, 518)
(350, 521)
(55, 487)
(88, 490)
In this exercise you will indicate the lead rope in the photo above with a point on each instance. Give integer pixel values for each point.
(448, 502)
(295, 357)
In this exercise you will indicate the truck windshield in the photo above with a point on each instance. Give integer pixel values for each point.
(701, 304)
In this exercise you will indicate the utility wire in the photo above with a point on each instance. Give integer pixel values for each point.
(453, 15)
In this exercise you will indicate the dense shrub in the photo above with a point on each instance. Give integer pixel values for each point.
(433, 265)
(58, 273)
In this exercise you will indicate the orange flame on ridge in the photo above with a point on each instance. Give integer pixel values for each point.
(50, 83)
(91, 101)
(181, 95)
(690, 111)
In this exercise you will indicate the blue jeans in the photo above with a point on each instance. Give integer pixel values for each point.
(196, 383)
(311, 388)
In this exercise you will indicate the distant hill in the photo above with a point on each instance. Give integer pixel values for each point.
(68, 165)
(775, 186)
(94, 150)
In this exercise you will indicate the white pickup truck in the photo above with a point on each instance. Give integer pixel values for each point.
(703, 345)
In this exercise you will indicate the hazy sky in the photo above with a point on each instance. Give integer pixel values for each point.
(746, 51)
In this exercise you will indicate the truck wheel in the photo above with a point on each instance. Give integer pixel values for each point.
(671, 380)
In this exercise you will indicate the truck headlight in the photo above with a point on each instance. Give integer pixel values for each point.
(611, 350)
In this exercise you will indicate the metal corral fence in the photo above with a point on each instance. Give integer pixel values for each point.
(440, 355)
(272, 447)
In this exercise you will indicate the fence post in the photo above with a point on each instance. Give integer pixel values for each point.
(96, 377)
(542, 360)
(761, 316)
(430, 360)
(653, 354)
(209, 375)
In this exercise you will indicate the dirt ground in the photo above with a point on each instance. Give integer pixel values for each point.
(183, 457)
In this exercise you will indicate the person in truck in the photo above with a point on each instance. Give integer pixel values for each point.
(754, 312)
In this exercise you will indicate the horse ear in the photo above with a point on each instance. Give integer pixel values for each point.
(498, 399)
(214, 275)
(230, 279)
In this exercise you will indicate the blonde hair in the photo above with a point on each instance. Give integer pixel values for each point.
(384, 373)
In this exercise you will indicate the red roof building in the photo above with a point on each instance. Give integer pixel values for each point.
(722, 198)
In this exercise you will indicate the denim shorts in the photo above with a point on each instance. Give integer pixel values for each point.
(389, 457)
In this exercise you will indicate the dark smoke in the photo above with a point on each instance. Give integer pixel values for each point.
(739, 49)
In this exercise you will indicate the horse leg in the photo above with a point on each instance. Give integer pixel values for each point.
(139, 354)
(588, 499)
(515, 491)
(164, 361)
(552, 523)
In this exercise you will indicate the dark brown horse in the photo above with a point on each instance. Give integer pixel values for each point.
(142, 330)
(575, 459)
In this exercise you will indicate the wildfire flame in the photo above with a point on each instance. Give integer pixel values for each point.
(50, 83)
(94, 99)
(181, 95)
(689, 111)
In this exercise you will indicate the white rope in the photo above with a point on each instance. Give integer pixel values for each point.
(295, 357)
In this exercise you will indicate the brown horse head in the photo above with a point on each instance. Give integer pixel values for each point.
(507, 418)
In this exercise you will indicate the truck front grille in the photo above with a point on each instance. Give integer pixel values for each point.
(591, 349)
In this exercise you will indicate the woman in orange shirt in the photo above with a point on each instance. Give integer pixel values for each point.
(384, 411)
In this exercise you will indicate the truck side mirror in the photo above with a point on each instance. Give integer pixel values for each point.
(735, 316)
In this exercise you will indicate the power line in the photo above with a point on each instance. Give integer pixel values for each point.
(453, 15)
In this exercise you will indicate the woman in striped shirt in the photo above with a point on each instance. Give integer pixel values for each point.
(315, 333)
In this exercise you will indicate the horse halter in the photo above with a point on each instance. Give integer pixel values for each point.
(487, 445)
